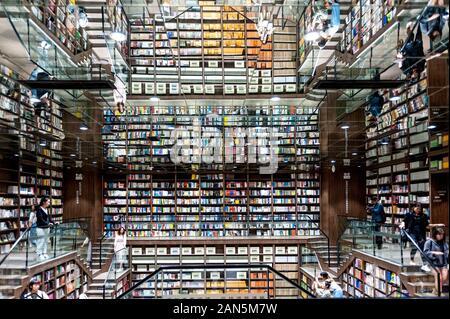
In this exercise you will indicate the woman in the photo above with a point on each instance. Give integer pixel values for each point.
(34, 292)
(43, 224)
(436, 249)
(120, 243)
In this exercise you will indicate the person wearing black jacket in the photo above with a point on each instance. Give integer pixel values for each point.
(43, 223)
(436, 249)
(415, 223)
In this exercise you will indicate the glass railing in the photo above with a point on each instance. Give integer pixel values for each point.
(38, 245)
(392, 244)
(217, 281)
(119, 268)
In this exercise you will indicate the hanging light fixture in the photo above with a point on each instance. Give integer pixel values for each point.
(84, 127)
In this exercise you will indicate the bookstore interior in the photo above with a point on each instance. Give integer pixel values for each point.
(224, 149)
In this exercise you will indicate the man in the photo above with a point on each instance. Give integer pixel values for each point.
(378, 218)
(415, 224)
(43, 223)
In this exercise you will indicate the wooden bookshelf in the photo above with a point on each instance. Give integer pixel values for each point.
(213, 51)
(217, 200)
(364, 20)
(29, 170)
(64, 280)
(397, 168)
(146, 258)
(54, 17)
(367, 279)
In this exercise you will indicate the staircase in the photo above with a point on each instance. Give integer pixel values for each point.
(320, 246)
(419, 283)
(106, 251)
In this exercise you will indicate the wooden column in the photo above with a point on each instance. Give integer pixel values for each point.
(333, 185)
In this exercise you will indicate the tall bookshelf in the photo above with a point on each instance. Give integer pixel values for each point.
(154, 197)
(397, 167)
(32, 166)
(364, 20)
(212, 50)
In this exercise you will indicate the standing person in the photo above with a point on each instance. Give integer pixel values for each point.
(415, 224)
(378, 218)
(120, 243)
(43, 223)
(436, 249)
(34, 292)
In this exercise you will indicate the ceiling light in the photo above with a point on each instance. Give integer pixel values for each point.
(84, 127)
(109, 167)
(118, 36)
(94, 162)
(384, 142)
(43, 143)
(154, 99)
(432, 126)
(16, 154)
(72, 155)
(333, 161)
(345, 127)
(275, 98)
(354, 154)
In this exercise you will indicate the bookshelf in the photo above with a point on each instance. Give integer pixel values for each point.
(211, 50)
(366, 279)
(154, 197)
(32, 165)
(397, 168)
(364, 20)
(146, 258)
(56, 18)
(64, 280)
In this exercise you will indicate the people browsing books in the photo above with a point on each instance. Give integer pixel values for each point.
(432, 23)
(43, 224)
(436, 249)
(120, 243)
(378, 219)
(34, 291)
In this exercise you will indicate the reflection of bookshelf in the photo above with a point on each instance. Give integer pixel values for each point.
(146, 258)
(364, 20)
(364, 279)
(65, 280)
(55, 17)
(396, 147)
(221, 202)
(28, 170)
(213, 50)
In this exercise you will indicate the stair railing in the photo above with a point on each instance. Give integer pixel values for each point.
(305, 293)
(424, 256)
(324, 235)
(119, 259)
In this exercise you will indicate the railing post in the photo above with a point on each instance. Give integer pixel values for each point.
(54, 241)
(26, 250)
(401, 246)
(268, 284)
(100, 255)
(439, 283)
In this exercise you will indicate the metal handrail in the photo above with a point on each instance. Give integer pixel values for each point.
(110, 269)
(21, 237)
(326, 236)
(15, 244)
(403, 231)
(399, 291)
(203, 266)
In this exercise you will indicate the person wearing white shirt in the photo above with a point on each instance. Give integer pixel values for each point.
(34, 292)
(120, 243)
